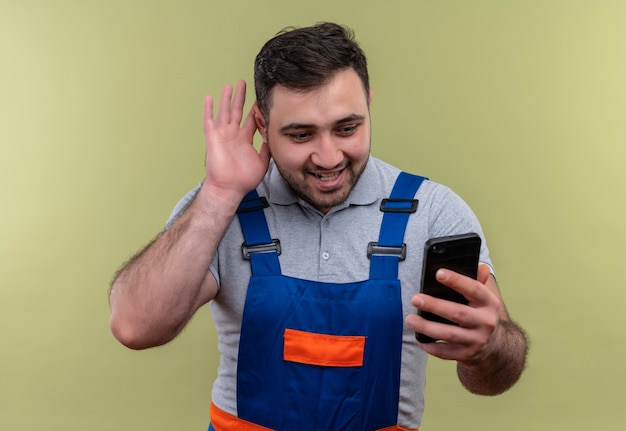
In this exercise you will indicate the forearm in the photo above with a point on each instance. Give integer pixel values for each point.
(502, 368)
(157, 292)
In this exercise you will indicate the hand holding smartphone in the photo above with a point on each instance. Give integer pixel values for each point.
(458, 253)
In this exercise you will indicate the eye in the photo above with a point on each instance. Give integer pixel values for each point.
(300, 136)
(347, 129)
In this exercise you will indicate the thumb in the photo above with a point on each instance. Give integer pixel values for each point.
(264, 153)
(484, 271)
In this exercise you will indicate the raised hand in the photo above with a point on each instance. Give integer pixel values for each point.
(232, 163)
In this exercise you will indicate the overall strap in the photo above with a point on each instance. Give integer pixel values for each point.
(258, 246)
(390, 249)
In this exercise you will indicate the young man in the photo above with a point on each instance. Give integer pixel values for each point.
(315, 333)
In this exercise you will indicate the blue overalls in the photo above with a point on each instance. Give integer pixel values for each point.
(316, 355)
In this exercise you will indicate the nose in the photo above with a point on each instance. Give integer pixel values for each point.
(327, 154)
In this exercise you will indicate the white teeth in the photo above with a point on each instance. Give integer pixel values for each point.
(327, 177)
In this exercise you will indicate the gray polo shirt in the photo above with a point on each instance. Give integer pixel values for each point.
(333, 248)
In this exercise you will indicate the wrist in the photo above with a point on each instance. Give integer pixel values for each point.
(501, 366)
(212, 198)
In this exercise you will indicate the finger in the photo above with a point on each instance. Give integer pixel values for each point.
(439, 331)
(473, 290)
(236, 110)
(458, 313)
(446, 351)
(223, 111)
(484, 271)
(249, 124)
(264, 153)
(208, 113)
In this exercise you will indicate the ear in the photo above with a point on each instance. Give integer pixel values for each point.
(260, 121)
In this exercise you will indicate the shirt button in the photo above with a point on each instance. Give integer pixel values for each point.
(326, 256)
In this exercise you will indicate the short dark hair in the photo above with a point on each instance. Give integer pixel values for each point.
(306, 58)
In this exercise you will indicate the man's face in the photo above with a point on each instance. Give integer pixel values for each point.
(320, 139)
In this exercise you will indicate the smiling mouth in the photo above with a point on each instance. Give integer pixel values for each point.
(328, 177)
(330, 174)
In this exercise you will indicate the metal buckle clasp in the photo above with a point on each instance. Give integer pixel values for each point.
(246, 250)
(373, 249)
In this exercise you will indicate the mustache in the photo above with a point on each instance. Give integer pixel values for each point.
(315, 169)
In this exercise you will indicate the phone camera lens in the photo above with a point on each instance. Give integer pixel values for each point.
(439, 248)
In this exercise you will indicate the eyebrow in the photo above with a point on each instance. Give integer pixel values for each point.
(296, 126)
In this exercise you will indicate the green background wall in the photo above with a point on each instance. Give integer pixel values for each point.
(520, 106)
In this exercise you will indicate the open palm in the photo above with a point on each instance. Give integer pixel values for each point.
(232, 163)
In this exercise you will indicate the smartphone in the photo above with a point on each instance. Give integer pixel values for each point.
(459, 253)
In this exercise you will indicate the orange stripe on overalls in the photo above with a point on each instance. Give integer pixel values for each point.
(324, 350)
(222, 421)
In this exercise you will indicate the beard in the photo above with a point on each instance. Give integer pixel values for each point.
(322, 200)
